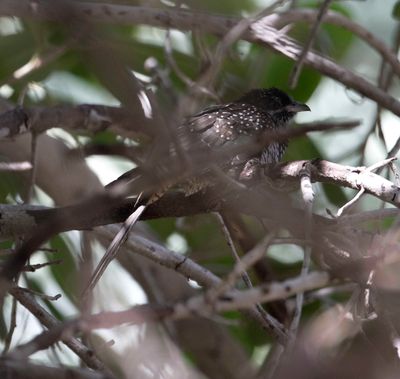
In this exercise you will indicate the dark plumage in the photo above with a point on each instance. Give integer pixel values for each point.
(222, 128)
(243, 122)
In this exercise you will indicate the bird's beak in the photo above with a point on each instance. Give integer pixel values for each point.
(298, 107)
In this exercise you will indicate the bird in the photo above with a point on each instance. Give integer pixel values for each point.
(224, 127)
(222, 130)
(244, 122)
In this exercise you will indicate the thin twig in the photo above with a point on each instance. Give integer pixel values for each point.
(308, 198)
(271, 322)
(39, 294)
(27, 299)
(232, 247)
(85, 271)
(351, 202)
(160, 77)
(13, 325)
(387, 70)
(37, 62)
(44, 340)
(378, 165)
(271, 362)
(309, 16)
(240, 267)
(33, 159)
(34, 267)
(395, 149)
(191, 84)
(294, 76)
(234, 34)
(375, 167)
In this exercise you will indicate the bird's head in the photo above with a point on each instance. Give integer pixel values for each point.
(275, 102)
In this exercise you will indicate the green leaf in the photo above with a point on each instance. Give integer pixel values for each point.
(302, 148)
(247, 332)
(261, 68)
(396, 11)
(65, 273)
(163, 227)
(335, 194)
(15, 51)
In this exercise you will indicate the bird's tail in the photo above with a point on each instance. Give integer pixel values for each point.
(113, 248)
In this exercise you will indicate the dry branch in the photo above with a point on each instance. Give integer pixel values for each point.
(193, 307)
(345, 176)
(42, 224)
(278, 20)
(21, 370)
(49, 321)
(260, 32)
(20, 220)
(84, 117)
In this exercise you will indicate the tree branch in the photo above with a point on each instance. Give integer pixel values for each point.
(21, 220)
(21, 370)
(346, 176)
(260, 32)
(193, 307)
(84, 117)
(30, 303)
(279, 20)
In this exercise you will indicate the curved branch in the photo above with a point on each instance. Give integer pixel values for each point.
(49, 321)
(95, 118)
(260, 32)
(278, 20)
(197, 305)
(11, 368)
(345, 176)
(200, 306)
(17, 220)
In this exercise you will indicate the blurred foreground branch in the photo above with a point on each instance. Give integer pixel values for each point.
(22, 220)
(10, 368)
(260, 32)
(84, 117)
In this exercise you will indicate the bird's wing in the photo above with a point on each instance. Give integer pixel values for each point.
(218, 125)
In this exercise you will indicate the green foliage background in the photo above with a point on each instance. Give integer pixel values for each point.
(245, 66)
